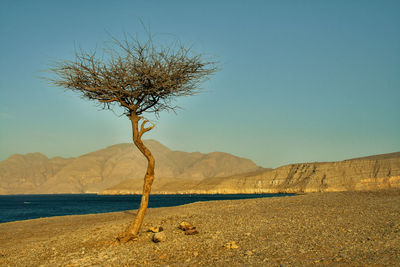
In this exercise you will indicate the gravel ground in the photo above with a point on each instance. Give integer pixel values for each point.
(322, 229)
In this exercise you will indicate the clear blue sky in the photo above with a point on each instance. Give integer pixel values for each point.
(300, 81)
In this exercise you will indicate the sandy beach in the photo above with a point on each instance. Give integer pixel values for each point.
(322, 229)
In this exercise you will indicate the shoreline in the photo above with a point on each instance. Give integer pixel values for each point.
(341, 228)
(158, 194)
(127, 201)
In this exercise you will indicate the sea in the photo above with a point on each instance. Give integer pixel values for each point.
(25, 207)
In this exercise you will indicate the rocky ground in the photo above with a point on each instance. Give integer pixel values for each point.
(328, 229)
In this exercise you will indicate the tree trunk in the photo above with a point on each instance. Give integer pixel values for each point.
(132, 230)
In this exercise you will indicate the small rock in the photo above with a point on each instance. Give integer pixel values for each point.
(156, 229)
(195, 254)
(186, 226)
(159, 237)
(231, 245)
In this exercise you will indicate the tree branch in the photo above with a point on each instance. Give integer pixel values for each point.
(144, 129)
(108, 100)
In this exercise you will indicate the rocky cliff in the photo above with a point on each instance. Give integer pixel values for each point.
(369, 173)
(93, 172)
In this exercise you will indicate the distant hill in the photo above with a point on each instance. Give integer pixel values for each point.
(367, 173)
(379, 157)
(34, 173)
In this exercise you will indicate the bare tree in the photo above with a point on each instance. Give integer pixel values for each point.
(141, 78)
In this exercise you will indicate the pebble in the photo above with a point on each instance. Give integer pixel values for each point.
(186, 226)
(231, 245)
(155, 229)
(159, 237)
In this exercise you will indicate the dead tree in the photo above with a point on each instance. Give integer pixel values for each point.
(141, 78)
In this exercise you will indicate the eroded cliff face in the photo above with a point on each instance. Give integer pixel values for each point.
(334, 176)
(371, 173)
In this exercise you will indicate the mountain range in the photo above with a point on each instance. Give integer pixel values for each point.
(119, 169)
(34, 173)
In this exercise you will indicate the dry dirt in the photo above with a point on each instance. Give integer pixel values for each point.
(322, 229)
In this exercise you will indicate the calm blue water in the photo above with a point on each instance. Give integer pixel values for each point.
(24, 207)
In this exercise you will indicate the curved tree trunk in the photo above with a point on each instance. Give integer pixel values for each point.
(133, 228)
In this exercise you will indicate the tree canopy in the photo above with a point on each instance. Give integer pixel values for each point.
(139, 76)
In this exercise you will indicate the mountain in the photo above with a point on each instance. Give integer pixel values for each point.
(119, 169)
(34, 173)
(368, 173)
